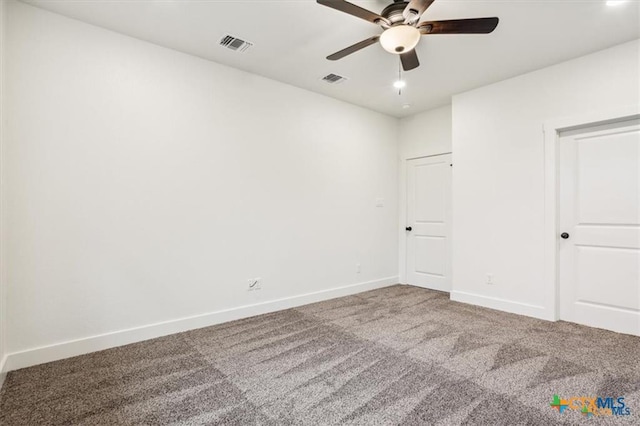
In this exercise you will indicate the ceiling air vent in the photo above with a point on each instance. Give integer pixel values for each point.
(234, 43)
(334, 79)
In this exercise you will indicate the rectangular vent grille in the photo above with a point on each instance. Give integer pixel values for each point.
(234, 43)
(334, 79)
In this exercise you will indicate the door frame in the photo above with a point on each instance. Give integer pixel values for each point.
(552, 130)
(403, 215)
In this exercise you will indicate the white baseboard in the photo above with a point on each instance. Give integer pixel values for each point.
(502, 305)
(3, 373)
(28, 358)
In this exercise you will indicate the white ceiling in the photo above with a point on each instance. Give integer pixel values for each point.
(293, 37)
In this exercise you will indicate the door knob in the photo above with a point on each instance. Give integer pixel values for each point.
(408, 228)
(564, 236)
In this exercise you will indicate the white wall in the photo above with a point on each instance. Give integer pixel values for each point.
(498, 177)
(144, 186)
(2, 267)
(425, 134)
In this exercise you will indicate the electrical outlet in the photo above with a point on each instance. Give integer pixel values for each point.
(254, 284)
(358, 268)
(489, 279)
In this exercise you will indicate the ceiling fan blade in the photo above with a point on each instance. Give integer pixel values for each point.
(415, 9)
(409, 60)
(351, 49)
(459, 26)
(354, 10)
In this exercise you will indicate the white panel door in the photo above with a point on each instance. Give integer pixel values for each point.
(428, 222)
(599, 241)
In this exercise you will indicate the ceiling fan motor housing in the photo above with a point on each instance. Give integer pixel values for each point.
(394, 11)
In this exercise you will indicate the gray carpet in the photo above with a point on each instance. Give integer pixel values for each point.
(399, 355)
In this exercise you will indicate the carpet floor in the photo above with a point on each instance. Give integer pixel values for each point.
(395, 356)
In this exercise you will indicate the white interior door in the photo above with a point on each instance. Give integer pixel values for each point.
(599, 249)
(429, 222)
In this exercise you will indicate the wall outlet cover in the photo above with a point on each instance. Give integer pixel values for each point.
(254, 284)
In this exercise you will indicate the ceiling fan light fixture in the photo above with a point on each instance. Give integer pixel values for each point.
(400, 39)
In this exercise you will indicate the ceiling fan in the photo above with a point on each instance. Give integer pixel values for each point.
(402, 29)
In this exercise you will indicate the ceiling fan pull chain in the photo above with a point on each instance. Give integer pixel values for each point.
(399, 76)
